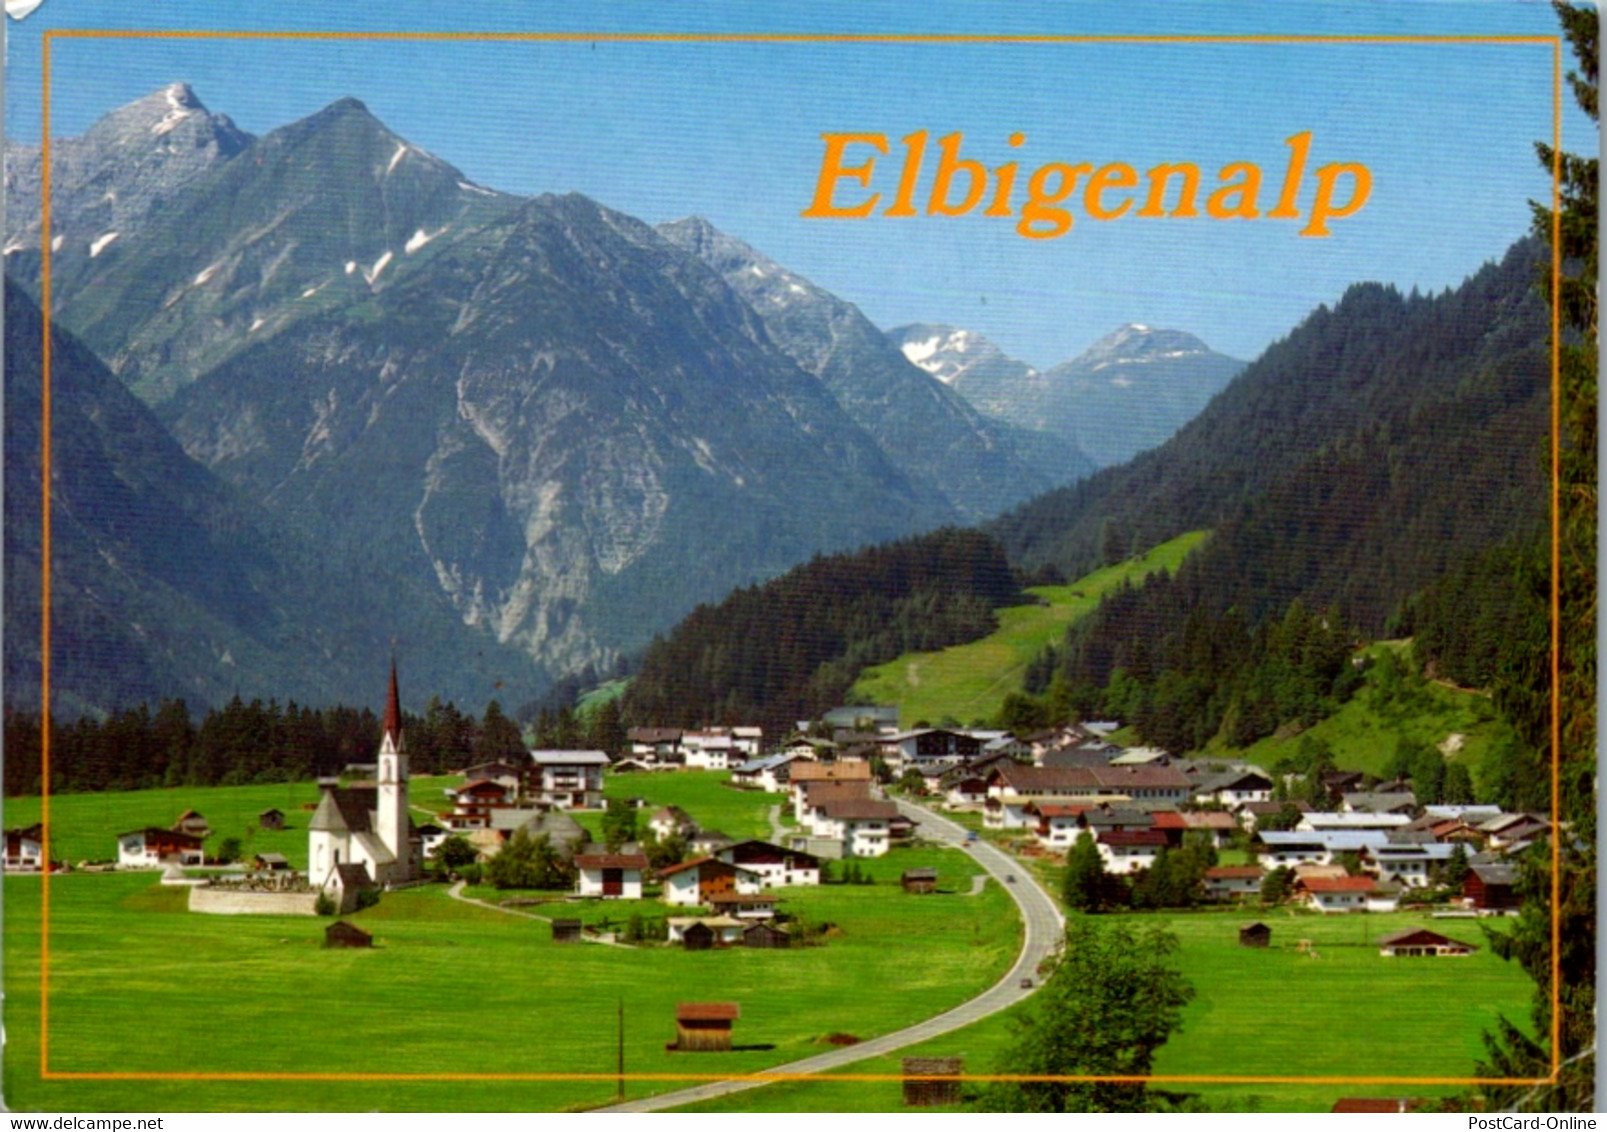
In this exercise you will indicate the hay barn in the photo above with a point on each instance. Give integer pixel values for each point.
(766, 936)
(342, 934)
(932, 1081)
(704, 1027)
(1255, 935)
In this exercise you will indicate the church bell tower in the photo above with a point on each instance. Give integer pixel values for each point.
(391, 820)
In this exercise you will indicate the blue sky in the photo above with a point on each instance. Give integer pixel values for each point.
(733, 132)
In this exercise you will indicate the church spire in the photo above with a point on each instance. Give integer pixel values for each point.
(393, 712)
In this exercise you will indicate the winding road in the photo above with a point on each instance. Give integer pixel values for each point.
(1044, 928)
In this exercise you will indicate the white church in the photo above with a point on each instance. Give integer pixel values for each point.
(368, 825)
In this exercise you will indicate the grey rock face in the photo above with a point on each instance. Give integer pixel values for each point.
(934, 435)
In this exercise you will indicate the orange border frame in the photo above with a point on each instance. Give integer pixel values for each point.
(47, 1074)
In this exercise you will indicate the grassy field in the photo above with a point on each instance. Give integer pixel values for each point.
(1363, 733)
(970, 681)
(140, 985)
(84, 827)
(705, 794)
(1344, 1012)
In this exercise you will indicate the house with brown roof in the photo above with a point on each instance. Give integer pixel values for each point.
(1338, 894)
(611, 876)
(862, 825)
(1129, 850)
(191, 822)
(150, 848)
(777, 867)
(697, 882)
(25, 849)
(811, 794)
(1414, 942)
(1147, 783)
(655, 744)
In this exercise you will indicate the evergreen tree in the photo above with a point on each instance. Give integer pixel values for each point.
(1564, 1049)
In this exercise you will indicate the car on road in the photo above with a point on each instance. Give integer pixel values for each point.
(1010, 878)
(973, 835)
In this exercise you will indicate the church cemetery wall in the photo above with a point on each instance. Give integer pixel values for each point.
(234, 902)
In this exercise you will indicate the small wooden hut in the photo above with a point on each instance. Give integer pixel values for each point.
(342, 934)
(920, 880)
(698, 937)
(1255, 935)
(932, 1081)
(271, 819)
(704, 1026)
(566, 931)
(766, 935)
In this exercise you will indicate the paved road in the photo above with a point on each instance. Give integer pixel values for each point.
(1045, 927)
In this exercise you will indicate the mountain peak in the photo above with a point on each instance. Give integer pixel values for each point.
(1137, 342)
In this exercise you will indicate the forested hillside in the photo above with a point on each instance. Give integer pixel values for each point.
(1384, 445)
(1381, 444)
(788, 649)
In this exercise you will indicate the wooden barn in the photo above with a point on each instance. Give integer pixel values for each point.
(342, 934)
(932, 1081)
(271, 819)
(1492, 888)
(1421, 941)
(704, 1027)
(698, 937)
(920, 880)
(1255, 935)
(192, 823)
(766, 935)
(566, 931)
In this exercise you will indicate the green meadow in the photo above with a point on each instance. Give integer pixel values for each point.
(1364, 732)
(970, 681)
(1336, 1009)
(139, 984)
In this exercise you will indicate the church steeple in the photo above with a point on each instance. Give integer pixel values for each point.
(393, 714)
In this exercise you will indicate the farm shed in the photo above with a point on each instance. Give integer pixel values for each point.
(766, 936)
(192, 823)
(1421, 941)
(920, 880)
(931, 1081)
(698, 937)
(271, 819)
(342, 934)
(704, 1026)
(1492, 888)
(1255, 935)
(270, 862)
(566, 931)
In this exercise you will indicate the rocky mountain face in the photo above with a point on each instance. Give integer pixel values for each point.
(165, 583)
(537, 412)
(931, 433)
(107, 183)
(1126, 393)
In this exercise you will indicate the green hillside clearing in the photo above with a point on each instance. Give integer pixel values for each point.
(970, 681)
